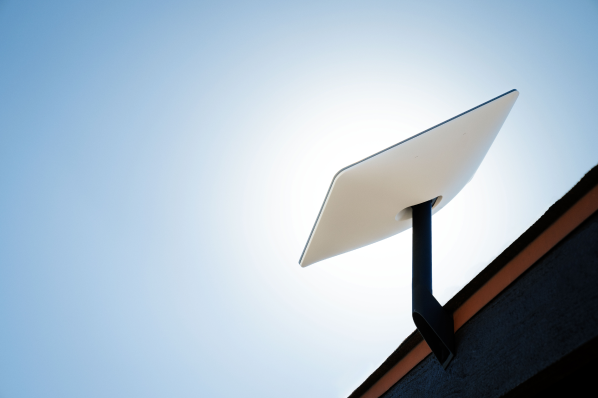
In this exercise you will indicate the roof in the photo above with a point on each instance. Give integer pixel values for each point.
(557, 222)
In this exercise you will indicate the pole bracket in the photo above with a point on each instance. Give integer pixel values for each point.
(433, 322)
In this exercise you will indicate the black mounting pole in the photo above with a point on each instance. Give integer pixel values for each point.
(433, 322)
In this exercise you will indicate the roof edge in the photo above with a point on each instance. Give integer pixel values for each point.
(558, 209)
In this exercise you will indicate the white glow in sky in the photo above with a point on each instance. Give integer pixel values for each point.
(162, 165)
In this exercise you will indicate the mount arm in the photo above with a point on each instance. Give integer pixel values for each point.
(433, 322)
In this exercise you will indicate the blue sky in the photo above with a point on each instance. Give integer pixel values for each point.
(162, 164)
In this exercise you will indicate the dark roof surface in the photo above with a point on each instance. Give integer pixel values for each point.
(589, 181)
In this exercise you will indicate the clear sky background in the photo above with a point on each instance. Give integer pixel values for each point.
(162, 164)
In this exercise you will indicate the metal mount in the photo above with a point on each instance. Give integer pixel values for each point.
(433, 322)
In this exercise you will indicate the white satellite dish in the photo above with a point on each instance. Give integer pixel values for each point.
(370, 200)
(377, 198)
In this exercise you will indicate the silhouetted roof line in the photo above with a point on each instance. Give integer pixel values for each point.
(558, 209)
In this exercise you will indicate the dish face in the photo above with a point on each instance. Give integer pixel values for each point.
(369, 201)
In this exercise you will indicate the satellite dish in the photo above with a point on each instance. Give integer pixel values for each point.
(400, 187)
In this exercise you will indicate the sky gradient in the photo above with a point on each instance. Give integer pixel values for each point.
(162, 164)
